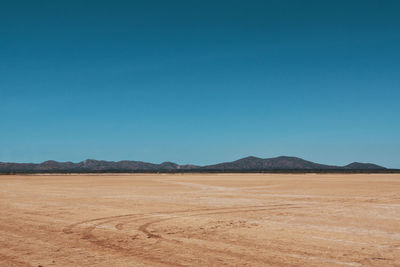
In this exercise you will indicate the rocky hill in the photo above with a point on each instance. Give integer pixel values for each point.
(241, 165)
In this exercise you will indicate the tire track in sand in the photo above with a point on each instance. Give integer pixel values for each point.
(87, 232)
(250, 258)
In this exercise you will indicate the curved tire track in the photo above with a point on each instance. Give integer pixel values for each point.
(87, 233)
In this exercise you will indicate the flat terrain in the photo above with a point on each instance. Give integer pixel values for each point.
(200, 219)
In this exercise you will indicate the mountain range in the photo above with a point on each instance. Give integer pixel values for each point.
(248, 164)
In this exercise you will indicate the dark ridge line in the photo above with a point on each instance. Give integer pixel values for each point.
(205, 171)
(282, 164)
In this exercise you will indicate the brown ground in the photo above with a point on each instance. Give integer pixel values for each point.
(199, 219)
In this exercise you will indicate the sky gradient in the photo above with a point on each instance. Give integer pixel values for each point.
(200, 81)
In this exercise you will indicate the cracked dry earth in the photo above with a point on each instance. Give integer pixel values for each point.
(200, 220)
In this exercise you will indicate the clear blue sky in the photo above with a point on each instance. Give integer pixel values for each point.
(200, 81)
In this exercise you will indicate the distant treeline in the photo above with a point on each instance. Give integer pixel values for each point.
(204, 171)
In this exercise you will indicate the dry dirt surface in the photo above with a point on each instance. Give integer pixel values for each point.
(200, 220)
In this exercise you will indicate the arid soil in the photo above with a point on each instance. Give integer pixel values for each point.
(200, 220)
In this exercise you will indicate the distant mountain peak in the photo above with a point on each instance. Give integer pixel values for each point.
(360, 165)
(47, 162)
(250, 158)
(277, 163)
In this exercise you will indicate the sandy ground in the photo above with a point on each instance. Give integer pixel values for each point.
(200, 220)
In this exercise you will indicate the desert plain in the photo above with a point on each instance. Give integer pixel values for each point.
(200, 220)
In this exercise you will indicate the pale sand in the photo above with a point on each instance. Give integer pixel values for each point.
(200, 219)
